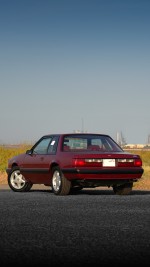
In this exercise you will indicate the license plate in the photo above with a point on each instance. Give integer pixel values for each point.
(109, 163)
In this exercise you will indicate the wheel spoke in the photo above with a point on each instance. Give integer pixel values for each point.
(17, 180)
(60, 185)
(56, 180)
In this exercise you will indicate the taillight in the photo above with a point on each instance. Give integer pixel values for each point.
(79, 162)
(87, 162)
(138, 162)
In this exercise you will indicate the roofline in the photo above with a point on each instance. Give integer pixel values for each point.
(63, 134)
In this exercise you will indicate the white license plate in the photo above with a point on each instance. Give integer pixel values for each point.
(109, 163)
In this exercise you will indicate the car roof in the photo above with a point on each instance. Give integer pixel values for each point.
(64, 134)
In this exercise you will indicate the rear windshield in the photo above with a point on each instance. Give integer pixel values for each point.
(89, 143)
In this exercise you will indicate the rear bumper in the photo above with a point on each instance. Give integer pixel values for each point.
(109, 171)
(104, 176)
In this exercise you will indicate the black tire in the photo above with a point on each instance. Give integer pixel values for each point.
(17, 182)
(124, 189)
(60, 185)
(75, 189)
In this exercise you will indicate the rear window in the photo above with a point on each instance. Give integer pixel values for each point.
(90, 143)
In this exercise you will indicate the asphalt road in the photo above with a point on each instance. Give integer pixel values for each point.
(92, 227)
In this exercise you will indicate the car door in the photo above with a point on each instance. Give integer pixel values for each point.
(36, 165)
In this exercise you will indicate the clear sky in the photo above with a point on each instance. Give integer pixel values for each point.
(69, 65)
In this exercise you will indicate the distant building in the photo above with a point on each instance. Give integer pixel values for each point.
(120, 139)
(134, 146)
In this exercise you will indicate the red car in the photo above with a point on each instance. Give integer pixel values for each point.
(70, 162)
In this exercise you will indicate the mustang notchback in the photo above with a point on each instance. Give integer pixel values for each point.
(71, 162)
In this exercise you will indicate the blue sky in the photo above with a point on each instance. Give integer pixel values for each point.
(69, 65)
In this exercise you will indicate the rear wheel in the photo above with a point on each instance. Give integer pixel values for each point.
(76, 189)
(60, 185)
(124, 189)
(17, 182)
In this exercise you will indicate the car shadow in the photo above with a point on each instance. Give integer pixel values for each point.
(84, 191)
(111, 192)
(94, 191)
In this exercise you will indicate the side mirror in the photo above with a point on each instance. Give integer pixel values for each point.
(29, 152)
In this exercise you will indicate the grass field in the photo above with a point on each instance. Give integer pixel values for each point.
(6, 153)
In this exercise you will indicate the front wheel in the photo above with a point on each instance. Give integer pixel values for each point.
(124, 189)
(17, 182)
(60, 185)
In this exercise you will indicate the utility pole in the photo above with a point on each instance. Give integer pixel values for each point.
(149, 139)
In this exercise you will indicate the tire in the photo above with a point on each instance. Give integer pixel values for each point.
(124, 189)
(17, 182)
(60, 185)
(76, 189)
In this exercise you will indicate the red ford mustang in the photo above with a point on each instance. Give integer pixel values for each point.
(70, 162)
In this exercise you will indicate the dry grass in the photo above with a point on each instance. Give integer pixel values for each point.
(144, 182)
(8, 152)
(3, 178)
